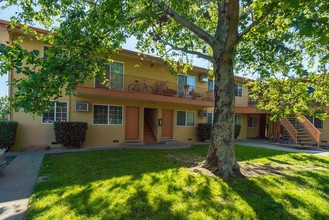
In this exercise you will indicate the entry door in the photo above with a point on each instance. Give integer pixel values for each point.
(132, 123)
(167, 123)
(262, 125)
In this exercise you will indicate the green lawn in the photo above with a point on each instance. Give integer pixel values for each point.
(159, 184)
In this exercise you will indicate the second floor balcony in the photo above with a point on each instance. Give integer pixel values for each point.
(140, 88)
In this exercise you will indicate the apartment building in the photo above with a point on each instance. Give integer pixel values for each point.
(141, 103)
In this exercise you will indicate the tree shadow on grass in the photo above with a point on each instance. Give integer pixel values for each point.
(262, 203)
(135, 184)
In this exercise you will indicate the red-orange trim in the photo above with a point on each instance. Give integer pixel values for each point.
(115, 94)
(248, 110)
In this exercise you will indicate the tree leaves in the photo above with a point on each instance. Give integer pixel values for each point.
(288, 40)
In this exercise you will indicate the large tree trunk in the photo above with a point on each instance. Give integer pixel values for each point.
(221, 156)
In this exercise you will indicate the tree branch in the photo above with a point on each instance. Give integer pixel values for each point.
(184, 22)
(255, 23)
(193, 52)
(233, 19)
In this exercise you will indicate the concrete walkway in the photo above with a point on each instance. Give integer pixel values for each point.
(264, 144)
(16, 184)
(18, 179)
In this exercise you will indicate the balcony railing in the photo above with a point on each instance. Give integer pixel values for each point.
(157, 87)
(252, 102)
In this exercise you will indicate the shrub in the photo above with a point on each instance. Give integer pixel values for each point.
(7, 133)
(237, 129)
(70, 134)
(204, 131)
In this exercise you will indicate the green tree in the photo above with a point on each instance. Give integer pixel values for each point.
(273, 39)
(4, 108)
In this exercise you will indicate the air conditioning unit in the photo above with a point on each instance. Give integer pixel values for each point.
(81, 106)
(202, 113)
(203, 78)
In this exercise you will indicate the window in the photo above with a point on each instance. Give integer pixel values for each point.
(315, 121)
(113, 77)
(238, 119)
(185, 118)
(57, 112)
(210, 117)
(238, 90)
(45, 48)
(211, 85)
(107, 115)
(186, 84)
(252, 122)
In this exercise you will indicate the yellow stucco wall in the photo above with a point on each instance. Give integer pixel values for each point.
(244, 126)
(325, 131)
(242, 101)
(31, 132)
(4, 36)
(253, 132)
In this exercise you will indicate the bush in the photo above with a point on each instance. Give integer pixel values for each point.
(237, 129)
(70, 134)
(7, 133)
(204, 131)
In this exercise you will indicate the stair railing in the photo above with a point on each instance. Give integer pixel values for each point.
(311, 129)
(290, 129)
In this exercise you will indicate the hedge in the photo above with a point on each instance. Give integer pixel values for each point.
(204, 131)
(7, 133)
(237, 129)
(70, 134)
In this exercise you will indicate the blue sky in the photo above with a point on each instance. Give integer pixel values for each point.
(130, 45)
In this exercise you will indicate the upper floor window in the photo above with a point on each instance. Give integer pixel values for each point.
(186, 84)
(315, 121)
(238, 90)
(57, 113)
(107, 115)
(185, 118)
(211, 85)
(113, 77)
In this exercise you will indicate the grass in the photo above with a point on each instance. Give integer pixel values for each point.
(151, 184)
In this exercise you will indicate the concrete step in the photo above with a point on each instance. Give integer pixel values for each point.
(169, 141)
(305, 139)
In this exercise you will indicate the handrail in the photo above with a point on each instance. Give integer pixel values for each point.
(290, 128)
(311, 129)
(163, 87)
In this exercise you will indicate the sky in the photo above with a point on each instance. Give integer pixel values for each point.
(130, 45)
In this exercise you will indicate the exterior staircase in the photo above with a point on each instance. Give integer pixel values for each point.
(302, 132)
(303, 137)
(149, 137)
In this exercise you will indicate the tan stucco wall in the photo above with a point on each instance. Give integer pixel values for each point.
(32, 133)
(242, 101)
(244, 126)
(253, 132)
(325, 131)
(4, 36)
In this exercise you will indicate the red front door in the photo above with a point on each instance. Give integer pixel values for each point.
(132, 123)
(167, 123)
